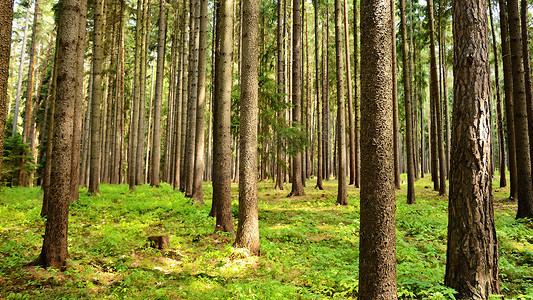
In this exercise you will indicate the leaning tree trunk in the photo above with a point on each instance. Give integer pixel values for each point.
(342, 196)
(55, 245)
(248, 229)
(408, 109)
(523, 162)
(6, 20)
(471, 229)
(156, 140)
(377, 259)
(509, 102)
(297, 180)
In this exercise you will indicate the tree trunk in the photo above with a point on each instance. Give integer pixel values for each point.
(55, 250)
(472, 255)
(156, 141)
(297, 180)
(6, 20)
(435, 100)
(377, 259)
(342, 196)
(509, 101)
(280, 80)
(351, 128)
(395, 121)
(31, 75)
(325, 101)
(222, 116)
(357, 171)
(248, 229)
(523, 162)
(199, 163)
(98, 57)
(408, 108)
(499, 104)
(320, 146)
(527, 72)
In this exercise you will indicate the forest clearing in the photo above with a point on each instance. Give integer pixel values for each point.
(309, 247)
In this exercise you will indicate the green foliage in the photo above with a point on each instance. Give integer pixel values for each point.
(309, 247)
(17, 159)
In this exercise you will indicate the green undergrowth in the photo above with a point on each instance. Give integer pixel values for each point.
(309, 247)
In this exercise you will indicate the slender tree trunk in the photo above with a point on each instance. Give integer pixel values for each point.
(395, 121)
(499, 104)
(342, 196)
(280, 79)
(357, 146)
(248, 229)
(156, 141)
(351, 128)
(509, 101)
(320, 145)
(523, 162)
(6, 20)
(325, 100)
(527, 72)
(98, 57)
(30, 79)
(377, 258)
(408, 108)
(435, 99)
(55, 250)
(297, 180)
(471, 228)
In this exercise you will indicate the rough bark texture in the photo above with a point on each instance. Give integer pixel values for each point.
(472, 255)
(297, 180)
(55, 250)
(98, 57)
(342, 196)
(156, 140)
(377, 259)
(523, 162)
(248, 228)
(199, 162)
(509, 105)
(222, 116)
(408, 109)
(499, 104)
(6, 18)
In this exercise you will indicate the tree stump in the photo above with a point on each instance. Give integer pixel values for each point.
(159, 241)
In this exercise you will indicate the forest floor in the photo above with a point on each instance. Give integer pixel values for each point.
(309, 246)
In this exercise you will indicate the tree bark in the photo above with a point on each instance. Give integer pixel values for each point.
(248, 228)
(31, 75)
(509, 101)
(351, 128)
(342, 196)
(377, 259)
(395, 121)
(527, 72)
(6, 20)
(357, 146)
(318, 86)
(523, 162)
(472, 255)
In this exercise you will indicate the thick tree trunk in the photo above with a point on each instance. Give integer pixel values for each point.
(472, 255)
(377, 259)
(156, 141)
(297, 180)
(55, 250)
(248, 229)
(6, 20)
(523, 162)
(342, 196)
(408, 108)
(222, 117)
(509, 101)
(98, 57)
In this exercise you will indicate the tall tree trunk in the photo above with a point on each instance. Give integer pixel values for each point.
(377, 259)
(156, 141)
(471, 229)
(222, 116)
(395, 119)
(509, 101)
(527, 72)
(320, 145)
(325, 100)
(199, 162)
(98, 57)
(248, 229)
(280, 80)
(184, 92)
(297, 180)
(30, 79)
(21, 69)
(6, 20)
(55, 249)
(342, 196)
(499, 104)
(351, 128)
(357, 171)
(523, 162)
(408, 108)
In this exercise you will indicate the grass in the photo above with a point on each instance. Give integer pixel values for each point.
(309, 247)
